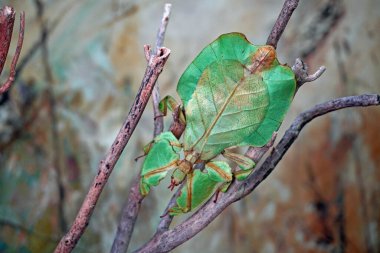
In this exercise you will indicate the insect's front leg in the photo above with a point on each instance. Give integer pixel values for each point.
(170, 103)
(163, 156)
(245, 163)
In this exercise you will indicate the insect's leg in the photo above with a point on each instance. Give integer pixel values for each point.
(219, 171)
(162, 157)
(221, 188)
(173, 141)
(153, 176)
(170, 103)
(177, 178)
(245, 163)
(146, 150)
(200, 185)
(185, 199)
(184, 168)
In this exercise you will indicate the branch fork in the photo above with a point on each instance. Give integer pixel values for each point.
(300, 70)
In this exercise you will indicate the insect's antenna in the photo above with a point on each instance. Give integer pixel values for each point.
(172, 184)
(165, 214)
(140, 156)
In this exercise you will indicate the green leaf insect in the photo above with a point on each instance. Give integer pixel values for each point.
(233, 94)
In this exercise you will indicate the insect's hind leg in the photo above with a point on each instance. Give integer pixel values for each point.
(245, 163)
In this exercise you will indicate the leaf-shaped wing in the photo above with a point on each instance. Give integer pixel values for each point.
(281, 87)
(227, 105)
(230, 46)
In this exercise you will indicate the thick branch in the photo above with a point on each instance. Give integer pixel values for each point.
(4, 44)
(281, 22)
(294, 130)
(106, 166)
(170, 239)
(131, 209)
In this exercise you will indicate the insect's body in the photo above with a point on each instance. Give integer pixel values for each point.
(233, 94)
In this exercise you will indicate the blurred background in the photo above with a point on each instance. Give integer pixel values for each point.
(80, 67)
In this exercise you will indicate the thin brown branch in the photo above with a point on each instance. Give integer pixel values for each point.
(281, 22)
(158, 119)
(7, 19)
(131, 209)
(106, 166)
(36, 46)
(167, 219)
(292, 133)
(300, 70)
(128, 218)
(20, 41)
(172, 238)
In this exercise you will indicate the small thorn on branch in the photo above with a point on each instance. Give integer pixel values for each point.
(300, 70)
(147, 52)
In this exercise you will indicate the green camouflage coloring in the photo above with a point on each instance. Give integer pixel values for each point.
(234, 94)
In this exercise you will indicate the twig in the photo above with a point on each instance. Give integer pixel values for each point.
(158, 119)
(281, 22)
(131, 209)
(170, 239)
(256, 153)
(20, 41)
(7, 19)
(106, 166)
(128, 218)
(300, 70)
(24, 61)
(167, 219)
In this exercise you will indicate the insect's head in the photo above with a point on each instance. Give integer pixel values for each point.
(263, 58)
